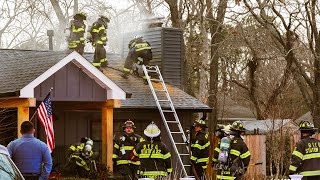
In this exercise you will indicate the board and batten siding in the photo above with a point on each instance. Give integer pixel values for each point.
(167, 50)
(70, 83)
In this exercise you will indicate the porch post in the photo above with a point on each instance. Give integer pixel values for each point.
(23, 115)
(107, 136)
(22, 105)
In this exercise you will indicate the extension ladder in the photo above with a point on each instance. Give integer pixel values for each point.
(169, 116)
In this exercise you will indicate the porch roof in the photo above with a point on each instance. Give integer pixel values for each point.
(23, 70)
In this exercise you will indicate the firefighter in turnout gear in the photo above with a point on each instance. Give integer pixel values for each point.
(77, 29)
(306, 155)
(154, 155)
(200, 148)
(99, 40)
(221, 132)
(139, 54)
(238, 156)
(79, 158)
(122, 148)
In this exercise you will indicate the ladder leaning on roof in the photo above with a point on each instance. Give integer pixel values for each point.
(175, 130)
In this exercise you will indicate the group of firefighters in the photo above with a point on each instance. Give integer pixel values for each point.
(137, 157)
(139, 50)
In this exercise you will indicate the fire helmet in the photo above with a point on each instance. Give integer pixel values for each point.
(129, 123)
(306, 126)
(152, 130)
(237, 126)
(200, 122)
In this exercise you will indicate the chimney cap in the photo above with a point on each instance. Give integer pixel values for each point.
(50, 33)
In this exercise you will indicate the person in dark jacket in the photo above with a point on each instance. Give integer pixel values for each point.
(122, 148)
(239, 154)
(139, 54)
(154, 155)
(31, 155)
(200, 149)
(99, 40)
(306, 155)
(77, 29)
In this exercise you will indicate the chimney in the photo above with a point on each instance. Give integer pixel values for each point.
(50, 34)
(153, 22)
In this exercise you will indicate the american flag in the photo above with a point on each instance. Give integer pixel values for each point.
(44, 113)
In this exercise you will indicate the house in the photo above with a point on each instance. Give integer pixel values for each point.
(86, 102)
(265, 126)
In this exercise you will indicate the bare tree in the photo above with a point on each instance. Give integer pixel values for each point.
(287, 25)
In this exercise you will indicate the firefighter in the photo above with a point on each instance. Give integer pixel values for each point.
(79, 158)
(306, 155)
(238, 157)
(122, 148)
(139, 54)
(77, 29)
(154, 155)
(221, 132)
(99, 40)
(200, 149)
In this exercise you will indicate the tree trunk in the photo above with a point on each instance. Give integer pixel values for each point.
(216, 38)
(316, 88)
(62, 22)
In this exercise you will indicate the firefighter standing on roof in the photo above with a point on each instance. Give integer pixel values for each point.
(77, 29)
(99, 40)
(122, 148)
(139, 54)
(200, 148)
(238, 157)
(154, 155)
(306, 155)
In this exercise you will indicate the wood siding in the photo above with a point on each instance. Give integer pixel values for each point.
(71, 84)
(167, 51)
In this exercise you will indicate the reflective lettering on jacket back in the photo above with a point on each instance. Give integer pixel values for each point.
(313, 147)
(147, 148)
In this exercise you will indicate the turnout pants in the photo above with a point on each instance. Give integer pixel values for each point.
(100, 56)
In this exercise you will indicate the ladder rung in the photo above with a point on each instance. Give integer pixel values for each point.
(184, 154)
(176, 132)
(160, 90)
(156, 80)
(163, 100)
(172, 122)
(186, 165)
(167, 111)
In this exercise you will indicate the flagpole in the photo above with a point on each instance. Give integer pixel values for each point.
(38, 106)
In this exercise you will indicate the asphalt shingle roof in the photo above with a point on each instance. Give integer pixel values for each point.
(19, 67)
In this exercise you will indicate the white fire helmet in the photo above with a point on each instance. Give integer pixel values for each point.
(152, 130)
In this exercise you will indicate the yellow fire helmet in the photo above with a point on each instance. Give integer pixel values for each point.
(152, 130)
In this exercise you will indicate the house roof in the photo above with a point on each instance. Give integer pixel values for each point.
(306, 117)
(21, 71)
(17, 71)
(267, 125)
(231, 110)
